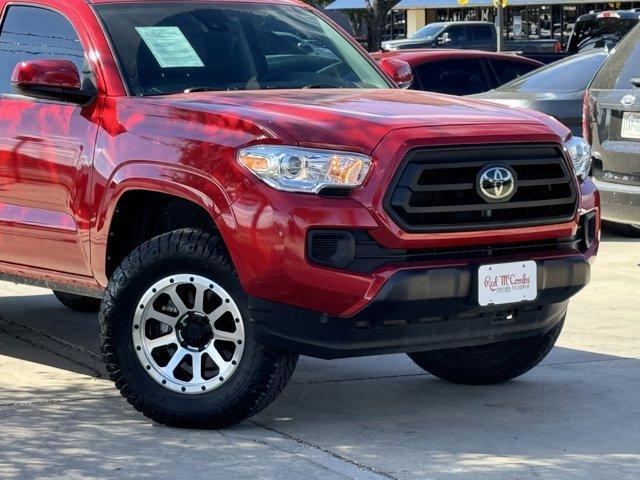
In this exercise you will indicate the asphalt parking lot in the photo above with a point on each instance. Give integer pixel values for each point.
(576, 416)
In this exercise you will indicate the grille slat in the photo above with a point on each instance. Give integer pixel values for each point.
(435, 188)
(544, 181)
(487, 206)
(442, 187)
(479, 163)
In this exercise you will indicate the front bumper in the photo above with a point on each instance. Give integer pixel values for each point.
(267, 239)
(424, 309)
(620, 203)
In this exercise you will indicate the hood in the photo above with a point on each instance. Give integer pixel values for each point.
(407, 42)
(356, 119)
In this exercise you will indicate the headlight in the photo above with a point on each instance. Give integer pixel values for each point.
(580, 154)
(296, 169)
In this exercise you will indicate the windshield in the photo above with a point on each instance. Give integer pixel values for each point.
(166, 48)
(427, 32)
(570, 75)
(597, 32)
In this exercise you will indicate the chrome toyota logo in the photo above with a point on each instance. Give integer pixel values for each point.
(628, 100)
(496, 184)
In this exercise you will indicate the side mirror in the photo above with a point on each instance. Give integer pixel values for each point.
(398, 70)
(50, 80)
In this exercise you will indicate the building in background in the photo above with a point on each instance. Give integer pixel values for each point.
(524, 19)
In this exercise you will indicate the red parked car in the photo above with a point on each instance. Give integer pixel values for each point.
(461, 72)
(232, 209)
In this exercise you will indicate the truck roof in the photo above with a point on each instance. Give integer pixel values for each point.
(624, 14)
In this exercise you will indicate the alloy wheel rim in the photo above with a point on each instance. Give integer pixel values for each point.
(188, 333)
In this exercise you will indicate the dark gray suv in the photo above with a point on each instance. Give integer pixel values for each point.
(612, 126)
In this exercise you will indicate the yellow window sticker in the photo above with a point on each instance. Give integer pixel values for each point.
(170, 47)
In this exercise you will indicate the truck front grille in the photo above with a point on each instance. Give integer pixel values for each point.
(436, 189)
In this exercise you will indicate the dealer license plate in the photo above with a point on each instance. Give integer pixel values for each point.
(507, 283)
(630, 125)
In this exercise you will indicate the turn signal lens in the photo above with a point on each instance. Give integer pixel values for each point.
(255, 163)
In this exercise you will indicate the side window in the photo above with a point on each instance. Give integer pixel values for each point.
(30, 33)
(457, 33)
(455, 77)
(482, 33)
(507, 71)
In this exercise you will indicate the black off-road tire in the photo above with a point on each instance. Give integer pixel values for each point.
(632, 231)
(262, 372)
(78, 303)
(488, 364)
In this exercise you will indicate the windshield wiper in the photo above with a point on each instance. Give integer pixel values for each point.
(210, 89)
(201, 89)
(320, 85)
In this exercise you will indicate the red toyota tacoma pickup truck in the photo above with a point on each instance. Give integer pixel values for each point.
(234, 199)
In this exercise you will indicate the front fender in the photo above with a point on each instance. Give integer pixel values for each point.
(170, 179)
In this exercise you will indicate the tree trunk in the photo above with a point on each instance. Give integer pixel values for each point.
(377, 11)
(375, 28)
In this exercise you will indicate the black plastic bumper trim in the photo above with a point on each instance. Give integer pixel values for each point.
(418, 310)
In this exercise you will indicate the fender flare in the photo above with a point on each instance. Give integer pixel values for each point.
(188, 183)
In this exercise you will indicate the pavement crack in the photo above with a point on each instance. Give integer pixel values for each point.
(335, 455)
(276, 447)
(53, 402)
(357, 379)
(43, 340)
(597, 360)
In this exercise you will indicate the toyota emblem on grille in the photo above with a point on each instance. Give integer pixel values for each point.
(628, 100)
(496, 183)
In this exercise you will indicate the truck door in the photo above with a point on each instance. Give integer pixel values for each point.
(46, 150)
(483, 37)
(455, 36)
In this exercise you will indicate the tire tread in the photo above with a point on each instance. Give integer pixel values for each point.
(508, 360)
(272, 368)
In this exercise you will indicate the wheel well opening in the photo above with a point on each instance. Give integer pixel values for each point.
(141, 215)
